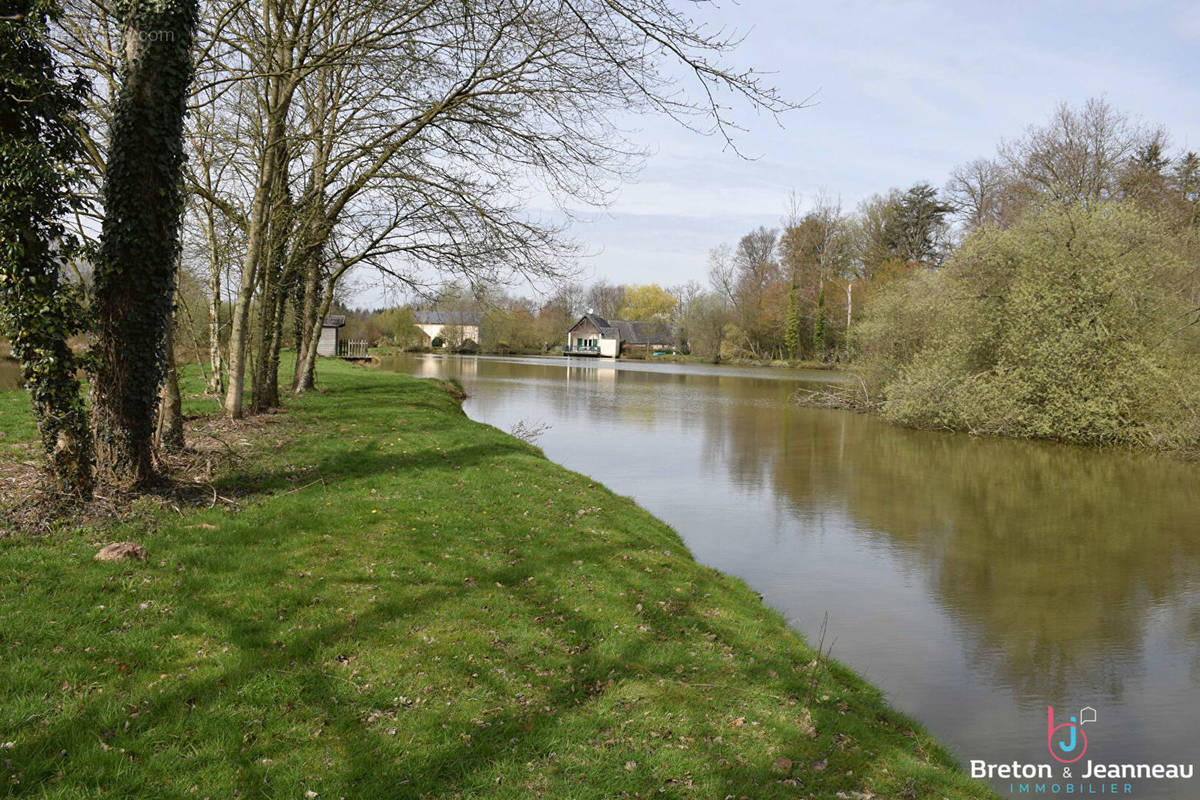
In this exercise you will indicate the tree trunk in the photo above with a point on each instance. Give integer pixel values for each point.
(39, 310)
(239, 321)
(311, 317)
(139, 239)
(216, 380)
(271, 386)
(281, 89)
(170, 409)
(308, 375)
(273, 297)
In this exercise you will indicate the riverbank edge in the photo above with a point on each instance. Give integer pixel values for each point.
(561, 625)
(670, 358)
(853, 396)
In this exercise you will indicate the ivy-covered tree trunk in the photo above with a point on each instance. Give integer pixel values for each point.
(139, 242)
(39, 311)
(819, 346)
(791, 328)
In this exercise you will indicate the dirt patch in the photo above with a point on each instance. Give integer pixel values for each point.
(216, 446)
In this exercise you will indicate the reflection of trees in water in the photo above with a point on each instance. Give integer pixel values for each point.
(1052, 557)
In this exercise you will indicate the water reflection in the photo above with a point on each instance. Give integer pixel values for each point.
(975, 580)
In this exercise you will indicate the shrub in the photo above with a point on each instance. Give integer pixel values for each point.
(1060, 327)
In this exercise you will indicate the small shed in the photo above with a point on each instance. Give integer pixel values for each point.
(331, 331)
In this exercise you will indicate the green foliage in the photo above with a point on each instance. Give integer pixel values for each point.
(649, 302)
(1061, 327)
(398, 326)
(791, 327)
(39, 311)
(819, 327)
(707, 319)
(915, 228)
(504, 330)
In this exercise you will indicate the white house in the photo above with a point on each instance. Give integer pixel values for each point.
(594, 335)
(432, 323)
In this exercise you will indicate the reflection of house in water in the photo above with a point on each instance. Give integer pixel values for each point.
(438, 367)
(594, 335)
(601, 377)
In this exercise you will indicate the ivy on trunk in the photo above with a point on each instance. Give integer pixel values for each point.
(39, 311)
(139, 243)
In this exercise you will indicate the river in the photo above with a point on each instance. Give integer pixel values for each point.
(976, 581)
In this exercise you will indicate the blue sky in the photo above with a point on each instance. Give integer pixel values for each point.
(904, 92)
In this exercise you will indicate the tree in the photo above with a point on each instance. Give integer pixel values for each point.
(977, 192)
(605, 299)
(417, 120)
(1078, 156)
(1060, 327)
(815, 248)
(706, 321)
(872, 236)
(400, 326)
(791, 332)
(755, 291)
(916, 230)
(649, 302)
(39, 150)
(139, 240)
(451, 336)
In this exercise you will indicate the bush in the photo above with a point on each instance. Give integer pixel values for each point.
(1060, 327)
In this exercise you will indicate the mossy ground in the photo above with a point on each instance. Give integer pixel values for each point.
(406, 603)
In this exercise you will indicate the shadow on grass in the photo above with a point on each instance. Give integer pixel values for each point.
(567, 657)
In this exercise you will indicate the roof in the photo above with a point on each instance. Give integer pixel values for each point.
(447, 317)
(599, 323)
(644, 332)
(334, 321)
(632, 332)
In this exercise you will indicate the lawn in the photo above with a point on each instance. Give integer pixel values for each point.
(400, 602)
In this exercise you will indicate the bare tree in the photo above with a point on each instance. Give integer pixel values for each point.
(1079, 155)
(977, 190)
(468, 104)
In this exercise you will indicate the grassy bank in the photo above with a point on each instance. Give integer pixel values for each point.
(405, 603)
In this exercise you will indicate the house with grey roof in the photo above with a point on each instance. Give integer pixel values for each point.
(594, 335)
(464, 325)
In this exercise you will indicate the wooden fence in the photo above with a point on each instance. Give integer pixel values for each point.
(353, 348)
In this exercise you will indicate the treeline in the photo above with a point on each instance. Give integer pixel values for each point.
(1068, 310)
(516, 324)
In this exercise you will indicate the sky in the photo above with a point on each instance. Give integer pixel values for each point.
(901, 92)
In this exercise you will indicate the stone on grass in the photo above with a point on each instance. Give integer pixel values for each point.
(122, 551)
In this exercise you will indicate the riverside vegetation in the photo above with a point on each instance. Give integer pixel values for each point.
(407, 603)
(1069, 325)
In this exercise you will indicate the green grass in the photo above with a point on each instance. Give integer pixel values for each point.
(412, 604)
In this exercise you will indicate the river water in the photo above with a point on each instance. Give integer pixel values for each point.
(976, 581)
